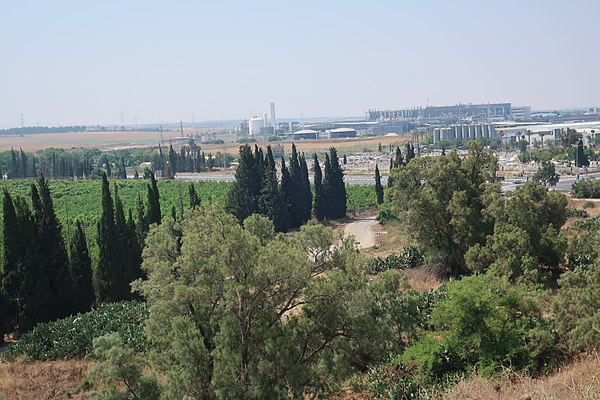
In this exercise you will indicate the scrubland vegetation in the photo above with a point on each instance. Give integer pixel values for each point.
(222, 306)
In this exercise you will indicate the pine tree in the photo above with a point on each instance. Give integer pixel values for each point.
(270, 200)
(242, 199)
(194, 197)
(154, 214)
(297, 198)
(306, 192)
(52, 250)
(319, 201)
(378, 186)
(80, 264)
(106, 247)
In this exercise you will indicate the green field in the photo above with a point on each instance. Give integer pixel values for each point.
(81, 199)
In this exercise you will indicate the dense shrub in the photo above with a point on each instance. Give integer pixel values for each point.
(588, 204)
(576, 213)
(73, 337)
(409, 257)
(586, 188)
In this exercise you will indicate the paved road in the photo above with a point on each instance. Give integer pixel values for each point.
(349, 179)
(563, 185)
(362, 230)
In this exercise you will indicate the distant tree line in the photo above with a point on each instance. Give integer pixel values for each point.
(42, 129)
(289, 203)
(90, 163)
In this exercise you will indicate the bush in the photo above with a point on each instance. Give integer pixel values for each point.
(586, 188)
(576, 213)
(73, 337)
(409, 257)
(588, 204)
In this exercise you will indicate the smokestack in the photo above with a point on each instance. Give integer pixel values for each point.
(265, 120)
(273, 120)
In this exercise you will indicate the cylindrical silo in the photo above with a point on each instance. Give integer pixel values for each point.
(254, 125)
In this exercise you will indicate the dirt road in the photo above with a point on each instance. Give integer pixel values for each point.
(362, 230)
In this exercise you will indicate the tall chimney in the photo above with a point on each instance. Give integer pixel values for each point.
(273, 120)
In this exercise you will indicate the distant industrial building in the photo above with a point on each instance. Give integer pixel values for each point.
(340, 133)
(520, 113)
(447, 114)
(305, 134)
(463, 133)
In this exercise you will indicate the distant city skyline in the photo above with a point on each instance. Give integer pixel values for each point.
(83, 63)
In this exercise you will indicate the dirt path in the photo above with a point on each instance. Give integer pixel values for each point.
(362, 230)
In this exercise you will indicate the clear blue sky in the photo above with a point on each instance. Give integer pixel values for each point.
(71, 62)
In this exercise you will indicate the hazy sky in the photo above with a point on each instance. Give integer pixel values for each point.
(83, 62)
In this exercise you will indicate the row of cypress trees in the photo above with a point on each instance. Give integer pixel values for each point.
(288, 202)
(40, 280)
(330, 189)
(257, 190)
(43, 279)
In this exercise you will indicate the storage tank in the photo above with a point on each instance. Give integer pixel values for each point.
(254, 125)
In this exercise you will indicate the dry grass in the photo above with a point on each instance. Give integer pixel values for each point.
(579, 380)
(42, 380)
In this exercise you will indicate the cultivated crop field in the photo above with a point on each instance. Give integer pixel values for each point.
(81, 199)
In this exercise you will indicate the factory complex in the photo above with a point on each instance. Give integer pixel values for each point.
(445, 124)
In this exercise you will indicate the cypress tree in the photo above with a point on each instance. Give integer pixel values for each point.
(338, 198)
(122, 169)
(328, 189)
(133, 267)
(172, 166)
(297, 198)
(194, 197)
(270, 200)
(13, 165)
(106, 246)
(142, 218)
(23, 168)
(242, 199)
(24, 285)
(52, 251)
(154, 214)
(399, 160)
(319, 201)
(378, 186)
(80, 264)
(173, 213)
(286, 189)
(410, 152)
(345, 160)
(12, 261)
(122, 257)
(306, 192)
